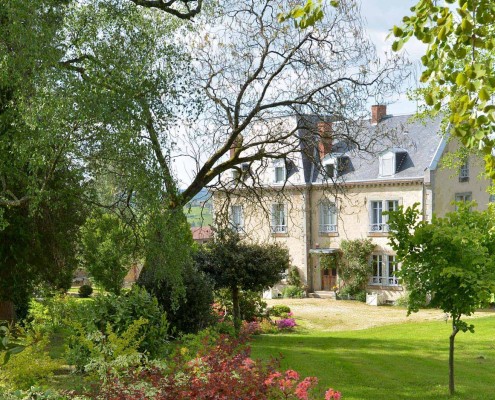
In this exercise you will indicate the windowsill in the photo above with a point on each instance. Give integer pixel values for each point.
(280, 234)
(378, 234)
(328, 234)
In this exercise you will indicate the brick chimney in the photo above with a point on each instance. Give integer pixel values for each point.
(325, 135)
(378, 111)
(237, 143)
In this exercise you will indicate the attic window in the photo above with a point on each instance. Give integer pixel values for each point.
(391, 162)
(334, 166)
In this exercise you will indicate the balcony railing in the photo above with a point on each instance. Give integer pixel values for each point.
(279, 228)
(328, 228)
(381, 227)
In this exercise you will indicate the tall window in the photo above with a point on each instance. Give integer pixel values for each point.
(328, 217)
(385, 268)
(464, 172)
(378, 221)
(237, 218)
(280, 171)
(279, 218)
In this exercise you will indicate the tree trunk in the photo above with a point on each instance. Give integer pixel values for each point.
(7, 312)
(451, 357)
(236, 310)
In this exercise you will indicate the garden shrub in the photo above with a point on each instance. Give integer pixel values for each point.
(221, 370)
(361, 296)
(279, 310)
(115, 314)
(85, 291)
(252, 307)
(293, 277)
(293, 292)
(190, 313)
(53, 311)
(32, 366)
(286, 324)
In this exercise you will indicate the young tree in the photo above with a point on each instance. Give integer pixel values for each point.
(458, 67)
(450, 260)
(107, 248)
(235, 265)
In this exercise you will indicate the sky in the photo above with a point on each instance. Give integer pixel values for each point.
(380, 17)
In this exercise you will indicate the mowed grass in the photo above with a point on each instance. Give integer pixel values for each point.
(406, 361)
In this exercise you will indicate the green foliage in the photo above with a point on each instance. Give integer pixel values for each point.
(293, 277)
(20, 372)
(168, 254)
(190, 313)
(107, 246)
(110, 353)
(293, 292)
(458, 67)
(251, 305)
(85, 291)
(451, 259)
(9, 345)
(355, 268)
(234, 264)
(307, 15)
(279, 310)
(114, 314)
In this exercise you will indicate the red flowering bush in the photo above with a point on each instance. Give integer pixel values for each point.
(220, 371)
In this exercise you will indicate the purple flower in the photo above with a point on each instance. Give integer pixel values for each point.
(286, 323)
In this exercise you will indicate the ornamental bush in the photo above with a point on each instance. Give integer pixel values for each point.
(220, 370)
(85, 291)
(279, 310)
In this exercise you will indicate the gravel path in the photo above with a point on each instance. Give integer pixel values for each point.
(341, 315)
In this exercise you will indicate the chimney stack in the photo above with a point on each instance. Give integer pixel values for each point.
(378, 111)
(325, 136)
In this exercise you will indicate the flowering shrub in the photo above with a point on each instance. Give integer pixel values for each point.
(286, 323)
(220, 371)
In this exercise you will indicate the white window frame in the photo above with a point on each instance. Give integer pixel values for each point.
(327, 212)
(384, 274)
(464, 171)
(279, 218)
(237, 217)
(279, 165)
(378, 221)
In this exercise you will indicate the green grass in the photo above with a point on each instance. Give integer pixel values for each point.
(198, 215)
(407, 361)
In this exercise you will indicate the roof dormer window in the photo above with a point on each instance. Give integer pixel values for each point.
(391, 162)
(334, 165)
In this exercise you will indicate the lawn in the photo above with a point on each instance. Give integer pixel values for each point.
(403, 361)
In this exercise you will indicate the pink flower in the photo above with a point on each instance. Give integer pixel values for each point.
(291, 374)
(331, 394)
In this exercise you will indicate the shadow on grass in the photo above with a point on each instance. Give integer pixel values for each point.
(396, 366)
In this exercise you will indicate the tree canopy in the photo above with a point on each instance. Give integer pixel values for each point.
(235, 264)
(458, 67)
(450, 261)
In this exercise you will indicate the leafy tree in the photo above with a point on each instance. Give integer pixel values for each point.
(458, 67)
(451, 260)
(107, 249)
(234, 264)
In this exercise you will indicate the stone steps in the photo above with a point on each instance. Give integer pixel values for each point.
(323, 294)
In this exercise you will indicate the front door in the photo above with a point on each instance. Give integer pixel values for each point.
(328, 279)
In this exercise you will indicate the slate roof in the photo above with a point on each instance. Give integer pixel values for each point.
(420, 139)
